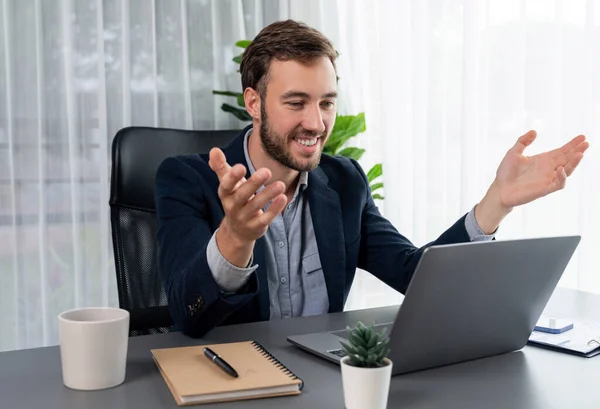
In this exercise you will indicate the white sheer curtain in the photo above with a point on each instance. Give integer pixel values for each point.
(446, 85)
(72, 73)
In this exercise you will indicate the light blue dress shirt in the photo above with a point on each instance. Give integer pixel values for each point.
(295, 275)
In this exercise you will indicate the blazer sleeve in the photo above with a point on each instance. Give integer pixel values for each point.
(185, 227)
(386, 253)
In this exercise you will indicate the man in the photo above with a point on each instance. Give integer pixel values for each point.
(270, 229)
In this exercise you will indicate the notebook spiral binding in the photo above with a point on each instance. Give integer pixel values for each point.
(262, 350)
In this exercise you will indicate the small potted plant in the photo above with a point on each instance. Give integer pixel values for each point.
(366, 370)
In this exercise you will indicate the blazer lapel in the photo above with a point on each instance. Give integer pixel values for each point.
(325, 209)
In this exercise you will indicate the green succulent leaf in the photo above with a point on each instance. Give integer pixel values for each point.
(377, 196)
(366, 347)
(372, 342)
(348, 349)
(361, 332)
(362, 351)
(237, 59)
(355, 339)
(349, 346)
(378, 349)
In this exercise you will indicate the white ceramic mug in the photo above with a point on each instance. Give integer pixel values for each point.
(93, 347)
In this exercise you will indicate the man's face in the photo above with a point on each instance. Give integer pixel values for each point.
(298, 112)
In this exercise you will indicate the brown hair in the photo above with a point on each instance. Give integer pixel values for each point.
(286, 40)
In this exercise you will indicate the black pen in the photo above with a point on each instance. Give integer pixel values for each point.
(220, 362)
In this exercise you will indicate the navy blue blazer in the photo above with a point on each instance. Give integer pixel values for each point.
(349, 230)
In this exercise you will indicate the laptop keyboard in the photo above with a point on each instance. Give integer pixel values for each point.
(337, 352)
(388, 327)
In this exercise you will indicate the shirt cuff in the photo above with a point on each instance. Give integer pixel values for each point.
(474, 231)
(229, 278)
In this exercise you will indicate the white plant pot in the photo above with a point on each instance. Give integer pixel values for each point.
(366, 388)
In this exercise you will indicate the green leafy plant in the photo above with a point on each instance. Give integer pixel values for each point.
(366, 348)
(346, 127)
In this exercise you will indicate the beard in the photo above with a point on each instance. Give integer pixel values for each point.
(277, 146)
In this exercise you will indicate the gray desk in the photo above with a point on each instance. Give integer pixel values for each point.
(532, 378)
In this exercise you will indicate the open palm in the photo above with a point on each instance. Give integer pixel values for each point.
(522, 179)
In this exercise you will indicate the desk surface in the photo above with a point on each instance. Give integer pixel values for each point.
(531, 378)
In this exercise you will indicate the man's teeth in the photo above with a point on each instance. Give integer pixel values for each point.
(306, 142)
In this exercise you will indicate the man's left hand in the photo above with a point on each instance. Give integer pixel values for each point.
(522, 179)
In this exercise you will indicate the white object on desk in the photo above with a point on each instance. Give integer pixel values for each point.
(366, 387)
(93, 347)
(583, 338)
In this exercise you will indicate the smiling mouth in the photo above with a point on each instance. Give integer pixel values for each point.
(307, 141)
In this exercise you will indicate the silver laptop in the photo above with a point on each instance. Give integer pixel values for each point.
(466, 301)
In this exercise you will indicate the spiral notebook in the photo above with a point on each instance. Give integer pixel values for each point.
(194, 379)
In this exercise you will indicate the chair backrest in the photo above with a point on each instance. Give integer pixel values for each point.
(136, 154)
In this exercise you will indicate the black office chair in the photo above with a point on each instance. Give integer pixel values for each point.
(136, 154)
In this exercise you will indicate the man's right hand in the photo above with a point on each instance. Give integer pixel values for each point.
(244, 220)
